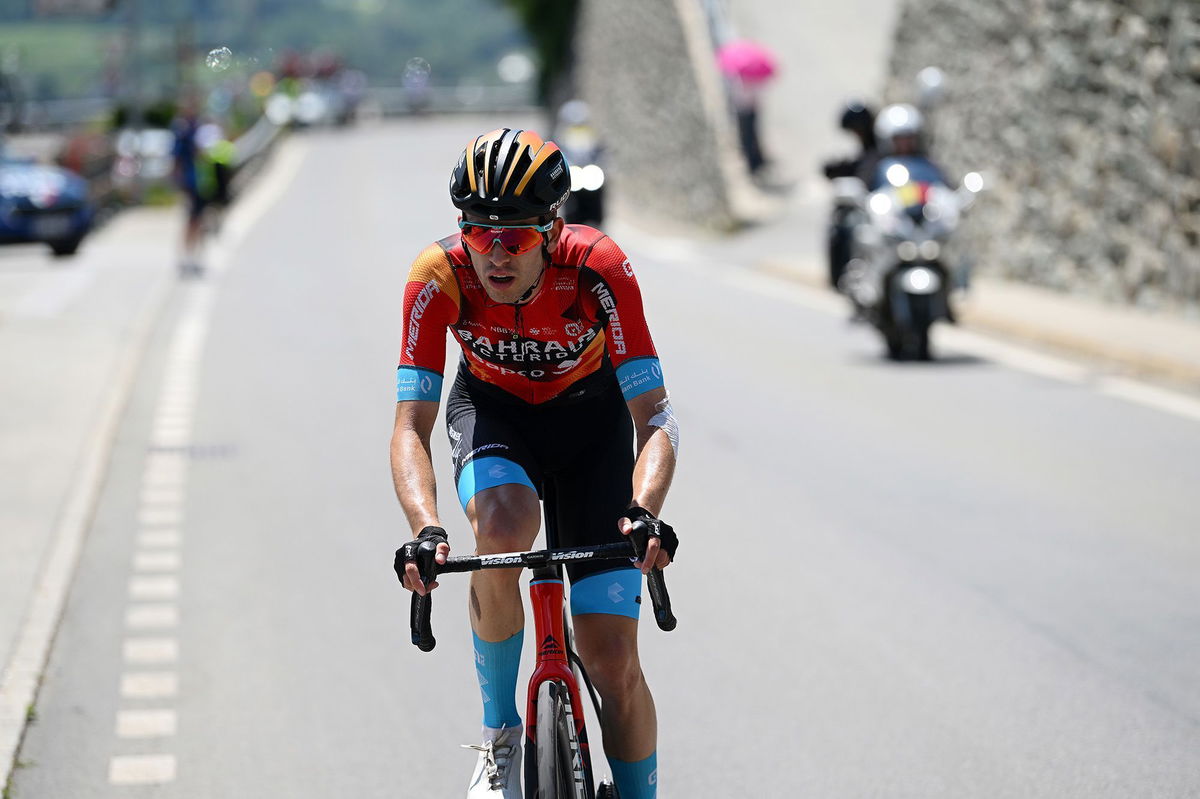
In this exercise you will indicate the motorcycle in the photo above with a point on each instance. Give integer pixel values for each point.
(584, 154)
(899, 277)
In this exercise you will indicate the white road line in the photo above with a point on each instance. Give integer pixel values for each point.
(165, 479)
(1011, 355)
(150, 651)
(155, 495)
(142, 769)
(165, 517)
(161, 616)
(153, 588)
(171, 431)
(149, 685)
(1152, 396)
(22, 674)
(160, 538)
(159, 723)
(158, 561)
(179, 438)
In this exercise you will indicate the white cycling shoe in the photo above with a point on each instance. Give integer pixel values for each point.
(498, 771)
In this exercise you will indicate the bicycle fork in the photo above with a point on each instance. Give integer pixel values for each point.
(553, 664)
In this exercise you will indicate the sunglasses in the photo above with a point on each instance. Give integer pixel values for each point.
(513, 239)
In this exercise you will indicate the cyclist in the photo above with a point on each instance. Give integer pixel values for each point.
(558, 379)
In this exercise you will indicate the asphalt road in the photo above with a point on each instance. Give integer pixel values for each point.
(956, 579)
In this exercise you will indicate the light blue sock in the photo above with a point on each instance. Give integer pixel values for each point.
(636, 780)
(496, 665)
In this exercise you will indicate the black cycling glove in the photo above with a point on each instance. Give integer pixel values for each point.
(410, 551)
(664, 532)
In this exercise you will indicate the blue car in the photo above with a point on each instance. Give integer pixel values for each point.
(40, 203)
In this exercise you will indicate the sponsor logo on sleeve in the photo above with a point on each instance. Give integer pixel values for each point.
(414, 318)
(616, 333)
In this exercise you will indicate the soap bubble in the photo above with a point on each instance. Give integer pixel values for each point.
(417, 69)
(219, 59)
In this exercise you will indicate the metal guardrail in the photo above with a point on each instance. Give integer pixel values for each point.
(250, 151)
(400, 100)
(56, 115)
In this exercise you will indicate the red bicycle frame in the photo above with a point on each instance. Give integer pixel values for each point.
(553, 664)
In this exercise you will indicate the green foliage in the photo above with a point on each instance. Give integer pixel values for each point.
(72, 57)
(551, 25)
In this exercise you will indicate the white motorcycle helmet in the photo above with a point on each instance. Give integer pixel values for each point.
(898, 121)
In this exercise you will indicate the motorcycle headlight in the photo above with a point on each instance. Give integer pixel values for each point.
(592, 177)
(930, 250)
(880, 203)
(576, 177)
(920, 280)
(907, 251)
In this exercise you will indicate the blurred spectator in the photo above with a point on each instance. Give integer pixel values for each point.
(748, 66)
(203, 164)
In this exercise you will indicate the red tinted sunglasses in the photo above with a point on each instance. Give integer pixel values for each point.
(513, 239)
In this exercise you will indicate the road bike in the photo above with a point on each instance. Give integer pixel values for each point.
(558, 761)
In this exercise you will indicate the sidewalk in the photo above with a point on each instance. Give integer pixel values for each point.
(71, 336)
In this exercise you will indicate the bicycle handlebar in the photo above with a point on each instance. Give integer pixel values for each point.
(421, 607)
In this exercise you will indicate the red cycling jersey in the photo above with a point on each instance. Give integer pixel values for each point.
(584, 323)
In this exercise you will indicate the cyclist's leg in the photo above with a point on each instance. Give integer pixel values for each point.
(588, 499)
(492, 474)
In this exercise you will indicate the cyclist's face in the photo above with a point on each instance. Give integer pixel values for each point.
(506, 277)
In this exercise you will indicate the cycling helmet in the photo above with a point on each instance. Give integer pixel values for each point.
(510, 174)
(856, 116)
(897, 120)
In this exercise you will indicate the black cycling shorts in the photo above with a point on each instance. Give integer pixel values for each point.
(577, 456)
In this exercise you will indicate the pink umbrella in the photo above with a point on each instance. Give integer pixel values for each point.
(747, 60)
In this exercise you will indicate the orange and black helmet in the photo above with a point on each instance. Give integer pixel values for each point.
(510, 174)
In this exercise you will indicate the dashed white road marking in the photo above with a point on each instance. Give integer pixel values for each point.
(150, 651)
(157, 561)
(159, 723)
(141, 769)
(149, 685)
(159, 587)
(160, 538)
(160, 516)
(156, 495)
(161, 616)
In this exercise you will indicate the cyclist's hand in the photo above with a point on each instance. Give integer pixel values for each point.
(406, 559)
(660, 544)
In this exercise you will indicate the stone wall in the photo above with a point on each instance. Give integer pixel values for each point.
(1084, 116)
(648, 72)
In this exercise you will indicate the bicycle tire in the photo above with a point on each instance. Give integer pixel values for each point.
(559, 764)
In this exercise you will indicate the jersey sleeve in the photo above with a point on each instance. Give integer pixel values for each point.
(630, 347)
(431, 303)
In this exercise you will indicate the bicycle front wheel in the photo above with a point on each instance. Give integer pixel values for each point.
(560, 770)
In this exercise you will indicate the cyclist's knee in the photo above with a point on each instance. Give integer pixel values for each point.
(505, 518)
(610, 655)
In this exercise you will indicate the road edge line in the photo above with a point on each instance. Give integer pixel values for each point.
(22, 675)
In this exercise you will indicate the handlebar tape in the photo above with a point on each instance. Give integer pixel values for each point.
(656, 584)
(419, 622)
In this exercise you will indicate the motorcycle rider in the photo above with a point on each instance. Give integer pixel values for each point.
(858, 119)
(899, 133)
(584, 150)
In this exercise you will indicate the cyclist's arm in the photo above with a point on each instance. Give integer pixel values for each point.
(430, 304)
(655, 465)
(412, 464)
(412, 474)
